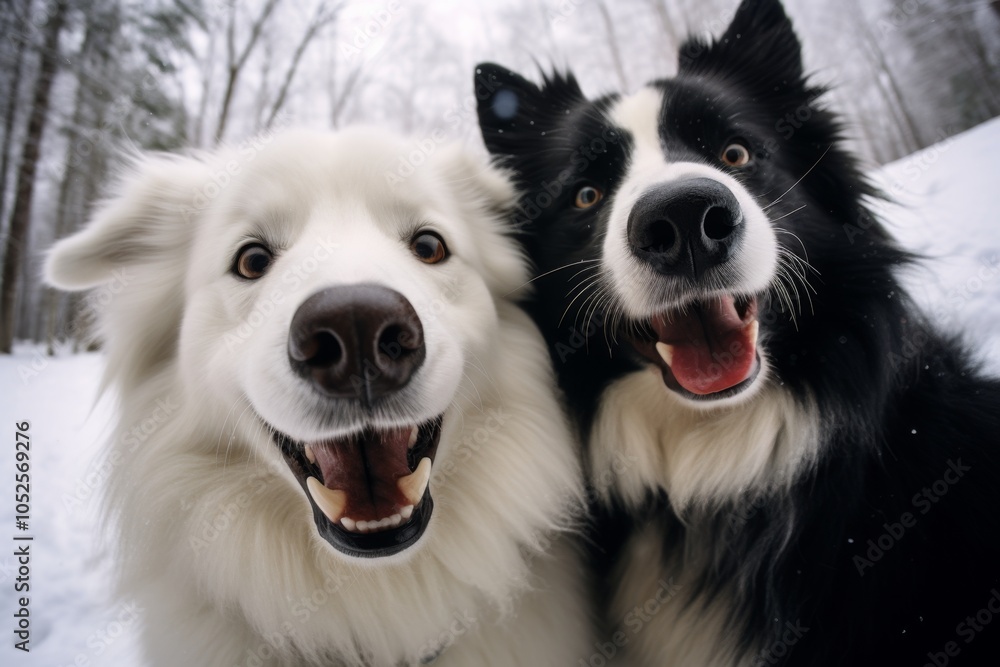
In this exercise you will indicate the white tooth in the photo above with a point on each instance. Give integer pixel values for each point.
(385, 523)
(348, 523)
(395, 520)
(331, 503)
(310, 454)
(362, 526)
(413, 437)
(413, 485)
(753, 328)
(406, 512)
(666, 353)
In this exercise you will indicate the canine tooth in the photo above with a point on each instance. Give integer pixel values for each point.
(310, 454)
(754, 328)
(406, 512)
(349, 524)
(666, 353)
(413, 485)
(413, 437)
(331, 503)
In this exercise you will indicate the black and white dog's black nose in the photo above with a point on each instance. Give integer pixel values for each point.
(686, 227)
(356, 341)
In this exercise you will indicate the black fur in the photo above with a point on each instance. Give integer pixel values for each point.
(901, 404)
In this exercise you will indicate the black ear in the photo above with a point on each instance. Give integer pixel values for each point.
(514, 112)
(759, 49)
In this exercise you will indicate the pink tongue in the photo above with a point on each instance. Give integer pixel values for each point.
(366, 467)
(713, 349)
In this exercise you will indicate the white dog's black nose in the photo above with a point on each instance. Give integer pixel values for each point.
(686, 227)
(358, 341)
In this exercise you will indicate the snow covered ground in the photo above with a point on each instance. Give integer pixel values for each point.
(949, 196)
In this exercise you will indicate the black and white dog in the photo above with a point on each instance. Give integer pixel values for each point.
(793, 465)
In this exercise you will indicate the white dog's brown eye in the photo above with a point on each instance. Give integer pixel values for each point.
(252, 261)
(587, 196)
(736, 155)
(429, 248)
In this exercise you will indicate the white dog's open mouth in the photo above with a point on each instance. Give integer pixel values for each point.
(369, 490)
(706, 350)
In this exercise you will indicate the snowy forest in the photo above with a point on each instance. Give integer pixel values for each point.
(84, 82)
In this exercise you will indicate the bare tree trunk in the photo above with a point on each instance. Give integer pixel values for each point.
(339, 102)
(977, 59)
(21, 216)
(71, 173)
(206, 91)
(670, 45)
(909, 132)
(76, 315)
(9, 115)
(616, 55)
(235, 62)
(323, 18)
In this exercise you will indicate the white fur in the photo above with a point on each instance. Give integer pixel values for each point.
(699, 455)
(680, 632)
(646, 438)
(217, 539)
(640, 291)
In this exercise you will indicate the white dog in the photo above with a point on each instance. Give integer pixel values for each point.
(339, 442)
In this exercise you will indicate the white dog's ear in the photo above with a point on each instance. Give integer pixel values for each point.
(150, 213)
(490, 194)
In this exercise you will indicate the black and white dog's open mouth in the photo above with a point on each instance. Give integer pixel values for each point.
(369, 490)
(707, 349)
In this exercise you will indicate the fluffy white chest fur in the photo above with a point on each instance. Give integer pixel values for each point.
(698, 458)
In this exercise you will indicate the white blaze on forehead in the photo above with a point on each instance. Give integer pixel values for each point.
(639, 113)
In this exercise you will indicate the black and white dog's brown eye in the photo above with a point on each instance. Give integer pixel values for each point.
(429, 248)
(736, 155)
(587, 196)
(252, 261)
